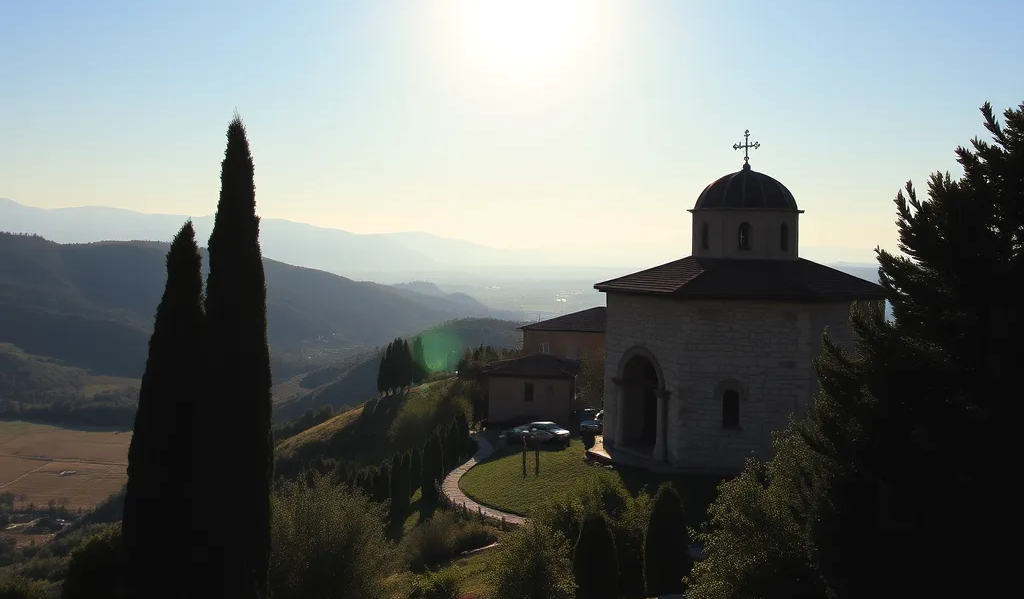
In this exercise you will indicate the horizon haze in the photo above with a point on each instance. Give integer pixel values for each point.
(577, 129)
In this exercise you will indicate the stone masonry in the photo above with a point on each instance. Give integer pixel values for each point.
(762, 350)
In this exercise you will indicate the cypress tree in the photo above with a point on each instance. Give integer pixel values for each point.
(387, 367)
(380, 375)
(236, 419)
(368, 483)
(666, 545)
(400, 487)
(156, 519)
(415, 469)
(433, 463)
(450, 444)
(462, 427)
(419, 361)
(408, 366)
(595, 563)
(382, 482)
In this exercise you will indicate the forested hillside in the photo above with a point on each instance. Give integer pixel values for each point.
(92, 305)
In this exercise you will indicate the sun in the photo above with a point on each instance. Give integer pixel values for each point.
(521, 39)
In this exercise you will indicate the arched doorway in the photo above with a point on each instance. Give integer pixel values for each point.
(639, 404)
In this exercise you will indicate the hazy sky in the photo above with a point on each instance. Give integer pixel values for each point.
(514, 123)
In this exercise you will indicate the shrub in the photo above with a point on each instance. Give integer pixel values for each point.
(20, 588)
(95, 568)
(443, 537)
(595, 563)
(442, 584)
(565, 512)
(666, 548)
(329, 542)
(533, 563)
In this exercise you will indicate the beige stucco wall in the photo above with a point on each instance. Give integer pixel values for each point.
(765, 234)
(563, 344)
(552, 400)
(765, 348)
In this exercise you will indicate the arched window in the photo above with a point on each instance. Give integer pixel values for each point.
(784, 240)
(731, 409)
(704, 236)
(744, 236)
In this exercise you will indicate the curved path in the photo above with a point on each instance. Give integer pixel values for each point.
(453, 491)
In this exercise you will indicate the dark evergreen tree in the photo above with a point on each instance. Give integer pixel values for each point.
(415, 469)
(595, 564)
(666, 545)
(463, 440)
(408, 364)
(387, 366)
(451, 440)
(382, 482)
(368, 482)
(419, 361)
(381, 385)
(400, 487)
(235, 419)
(432, 466)
(893, 465)
(155, 524)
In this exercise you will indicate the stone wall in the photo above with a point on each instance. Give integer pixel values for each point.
(764, 350)
(563, 344)
(506, 400)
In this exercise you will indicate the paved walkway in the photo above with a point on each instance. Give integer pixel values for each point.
(454, 493)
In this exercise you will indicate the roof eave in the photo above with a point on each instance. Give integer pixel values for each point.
(809, 297)
(752, 209)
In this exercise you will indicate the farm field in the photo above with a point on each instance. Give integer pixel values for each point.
(42, 462)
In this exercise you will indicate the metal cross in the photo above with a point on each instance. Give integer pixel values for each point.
(746, 145)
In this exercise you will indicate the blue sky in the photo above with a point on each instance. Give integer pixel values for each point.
(514, 123)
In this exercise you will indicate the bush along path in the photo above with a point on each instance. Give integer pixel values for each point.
(453, 493)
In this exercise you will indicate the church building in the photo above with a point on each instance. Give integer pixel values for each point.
(707, 356)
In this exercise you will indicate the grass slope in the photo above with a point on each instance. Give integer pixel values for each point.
(354, 380)
(499, 483)
(377, 429)
(92, 305)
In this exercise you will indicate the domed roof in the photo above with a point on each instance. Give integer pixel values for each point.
(746, 190)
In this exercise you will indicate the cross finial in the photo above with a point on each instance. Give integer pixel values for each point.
(746, 145)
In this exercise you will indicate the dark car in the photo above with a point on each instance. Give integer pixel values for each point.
(593, 427)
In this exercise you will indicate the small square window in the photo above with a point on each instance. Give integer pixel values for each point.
(545, 348)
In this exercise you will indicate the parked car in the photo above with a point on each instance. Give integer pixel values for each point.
(542, 432)
(593, 427)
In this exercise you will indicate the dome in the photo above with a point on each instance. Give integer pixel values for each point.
(746, 190)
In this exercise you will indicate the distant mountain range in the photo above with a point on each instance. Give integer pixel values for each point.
(384, 257)
(92, 306)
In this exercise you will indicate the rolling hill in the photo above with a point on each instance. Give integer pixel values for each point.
(351, 381)
(376, 429)
(92, 305)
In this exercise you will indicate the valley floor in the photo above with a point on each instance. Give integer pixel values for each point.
(77, 468)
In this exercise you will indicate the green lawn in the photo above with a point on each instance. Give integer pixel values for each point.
(499, 481)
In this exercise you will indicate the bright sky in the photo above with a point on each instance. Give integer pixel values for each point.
(513, 123)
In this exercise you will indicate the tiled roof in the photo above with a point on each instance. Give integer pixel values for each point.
(720, 278)
(585, 321)
(533, 365)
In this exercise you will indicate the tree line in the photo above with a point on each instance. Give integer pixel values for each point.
(202, 432)
(401, 365)
(398, 477)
